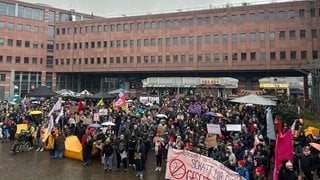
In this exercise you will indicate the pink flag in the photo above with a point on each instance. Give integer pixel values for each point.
(283, 150)
(120, 101)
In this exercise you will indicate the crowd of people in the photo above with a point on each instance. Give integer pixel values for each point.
(138, 130)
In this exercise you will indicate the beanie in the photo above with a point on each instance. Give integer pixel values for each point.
(241, 163)
(259, 170)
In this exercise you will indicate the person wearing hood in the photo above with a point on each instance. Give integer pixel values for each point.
(232, 160)
(242, 170)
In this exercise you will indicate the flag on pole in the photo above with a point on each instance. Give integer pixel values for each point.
(56, 107)
(58, 117)
(283, 150)
(271, 133)
(120, 101)
(100, 103)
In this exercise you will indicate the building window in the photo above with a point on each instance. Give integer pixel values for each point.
(252, 17)
(224, 19)
(2, 77)
(271, 15)
(9, 59)
(1, 41)
(207, 19)
(301, 13)
(183, 23)
(190, 57)
(199, 20)
(139, 26)
(304, 55)
(293, 55)
(199, 58)
(131, 43)
(234, 56)
(167, 58)
(146, 25)
(216, 39)
(261, 16)
(199, 40)
(272, 55)
(242, 18)
(302, 34)
(153, 25)
(183, 58)
(243, 56)
(314, 54)
(314, 33)
(27, 44)
(175, 41)
(262, 36)
(190, 40)
(18, 60)
(159, 42)
(175, 58)
(10, 42)
(112, 60)
(131, 26)
(175, 23)
(131, 60)
(291, 14)
(167, 41)
(292, 34)
(145, 60)
(272, 36)
(253, 56)
(243, 37)
(216, 56)
(281, 15)
(146, 42)
(18, 43)
(190, 22)
(252, 37)
(282, 35)
(233, 19)
(312, 12)
(183, 40)
(159, 59)
(262, 56)
(216, 20)
(159, 24)
(19, 26)
(138, 42)
(225, 38)
(168, 23)
(225, 56)
(153, 42)
(282, 55)
(208, 57)
(153, 59)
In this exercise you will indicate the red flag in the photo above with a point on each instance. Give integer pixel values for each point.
(80, 105)
(283, 150)
(120, 101)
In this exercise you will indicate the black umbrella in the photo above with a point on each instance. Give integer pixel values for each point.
(42, 91)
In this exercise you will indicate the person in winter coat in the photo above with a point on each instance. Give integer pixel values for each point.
(289, 173)
(121, 147)
(58, 154)
(307, 163)
(159, 150)
(108, 154)
(87, 144)
(242, 170)
(139, 153)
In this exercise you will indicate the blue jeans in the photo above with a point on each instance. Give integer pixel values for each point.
(39, 142)
(108, 162)
(58, 154)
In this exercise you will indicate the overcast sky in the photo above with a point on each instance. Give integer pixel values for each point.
(109, 8)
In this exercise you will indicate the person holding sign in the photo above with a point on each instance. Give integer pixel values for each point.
(139, 155)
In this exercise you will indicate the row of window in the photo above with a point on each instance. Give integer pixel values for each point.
(21, 27)
(282, 15)
(21, 60)
(207, 39)
(215, 57)
(20, 43)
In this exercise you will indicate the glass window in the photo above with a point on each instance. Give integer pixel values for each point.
(282, 55)
(125, 27)
(261, 16)
(153, 59)
(216, 20)
(19, 27)
(234, 56)
(225, 56)
(1, 41)
(190, 40)
(234, 37)
(131, 26)
(199, 58)
(153, 25)
(225, 38)
(175, 41)
(252, 37)
(168, 23)
(314, 33)
(243, 37)
(139, 26)
(302, 34)
(145, 42)
(191, 58)
(301, 13)
(262, 56)
(243, 56)
(138, 42)
(183, 40)
(253, 56)
(208, 57)
(159, 59)
(183, 22)
(207, 39)
(216, 39)
(153, 42)
(314, 54)
(112, 26)
(27, 44)
(175, 23)
(190, 22)
(146, 25)
(159, 24)
(1, 24)
(252, 17)
(261, 36)
(10, 42)
(271, 15)
(199, 20)
(167, 58)
(51, 31)
(216, 57)
(272, 55)
(234, 19)
(9, 59)
(125, 43)
(199, 39)
(175, 58)
(11, 26)
(183, 58)
(159, 42)
(312, 12)
(292, 34)
(28, 28)
(242, 18)
(167, 41)
(51, 16)
(145, 59)
(282, 35)
(303, 55)
(293, 55)
(281, 15)
(207, 19)
(224, 19)
(291, 14)
(272, 36)
(18, 43)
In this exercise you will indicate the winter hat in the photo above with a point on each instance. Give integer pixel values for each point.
(259, 170)
(288, 164)
(241, 163)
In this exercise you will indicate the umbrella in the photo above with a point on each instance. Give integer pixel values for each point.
(155, 107)
(42, 91)
(35, 112)
(108, 123)
(117, 91)
(94, 125)
(210, 113)
(162, 116)
(254, 99)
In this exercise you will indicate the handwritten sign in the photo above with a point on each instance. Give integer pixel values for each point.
(233, 127)
(185, 165)
(213, 129)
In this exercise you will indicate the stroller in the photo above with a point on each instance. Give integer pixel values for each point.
(22, 144)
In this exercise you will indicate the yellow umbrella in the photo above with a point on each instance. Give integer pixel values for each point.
(35, 112)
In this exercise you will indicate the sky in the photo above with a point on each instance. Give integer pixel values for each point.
(112, 8)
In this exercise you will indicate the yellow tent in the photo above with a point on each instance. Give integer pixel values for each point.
(73, 148)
